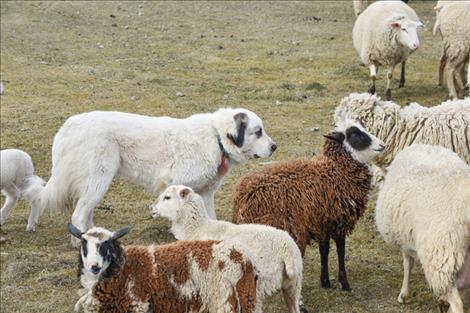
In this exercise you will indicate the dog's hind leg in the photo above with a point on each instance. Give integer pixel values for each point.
(12, 194)
(93, 191)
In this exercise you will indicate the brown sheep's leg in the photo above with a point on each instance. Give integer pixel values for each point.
(442, 66)
(324, 251)
(402, 75)
(341, 250)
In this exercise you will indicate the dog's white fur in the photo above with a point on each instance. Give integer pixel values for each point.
(92, 148)
(16, 168)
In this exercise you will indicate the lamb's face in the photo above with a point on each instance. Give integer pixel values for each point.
(97, 248)
(170, 202)
(362, 145)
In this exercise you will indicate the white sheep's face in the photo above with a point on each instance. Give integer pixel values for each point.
(407, 31)
(362, 145)
(97, 249)
(170, 202)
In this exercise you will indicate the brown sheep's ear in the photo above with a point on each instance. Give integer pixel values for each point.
(184, 192)
(336, 136)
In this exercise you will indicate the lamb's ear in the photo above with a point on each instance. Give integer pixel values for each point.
(241, 120)
(185, 192)
(336, 136)
(120, 233)
(74, 231)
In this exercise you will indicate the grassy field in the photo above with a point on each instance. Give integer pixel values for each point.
(291, 62)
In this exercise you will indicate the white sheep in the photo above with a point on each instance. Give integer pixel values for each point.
(16, 169)
(447, 124)
(276, 255)
(424, 207)
(455, 33)
(187, 276)
(385, 34)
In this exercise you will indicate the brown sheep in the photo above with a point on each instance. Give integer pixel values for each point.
(317, 199)
(186, 276)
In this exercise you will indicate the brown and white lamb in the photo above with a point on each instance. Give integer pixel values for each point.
(186, 276)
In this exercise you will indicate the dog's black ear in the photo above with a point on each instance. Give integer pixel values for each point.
(241, 120)
(120, 233)
(336, 136)
(74, 231)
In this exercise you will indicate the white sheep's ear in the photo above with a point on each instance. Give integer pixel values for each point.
(74, 231)
(184, 192)
(395, 21)
(120, 233)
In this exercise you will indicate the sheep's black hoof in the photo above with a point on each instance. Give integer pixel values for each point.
(388, 94)
(345, 286)
(372, 89)
(325, 283)
(401, 84)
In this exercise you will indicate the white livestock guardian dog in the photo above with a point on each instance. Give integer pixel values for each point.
(92, 148)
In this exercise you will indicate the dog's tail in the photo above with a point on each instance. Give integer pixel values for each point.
(41, 195)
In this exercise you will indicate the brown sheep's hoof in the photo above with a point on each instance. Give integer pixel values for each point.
(345, 286)
(325, 284)
(372, 89)
(388, 94)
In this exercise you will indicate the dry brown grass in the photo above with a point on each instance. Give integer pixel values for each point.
(59, 59)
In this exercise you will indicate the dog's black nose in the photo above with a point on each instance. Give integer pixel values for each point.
(273, 147)
(95, 269)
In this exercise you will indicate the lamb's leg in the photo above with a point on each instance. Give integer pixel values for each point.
(388, 91)
(402, 75)
(12, 194)
(302, 306)
(408, 262)
(342, 276)
(442, 67)
(373, 76)
(33, 218)
(292, 297)
(454, 300)
(324, 251)
(463, 279)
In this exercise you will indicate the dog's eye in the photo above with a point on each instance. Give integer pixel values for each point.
(259, 133)
(166, 198)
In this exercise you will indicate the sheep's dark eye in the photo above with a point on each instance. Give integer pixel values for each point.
(259, 133)
(166, 198)
(404, 29)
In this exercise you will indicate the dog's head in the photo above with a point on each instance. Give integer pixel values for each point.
(243, 135)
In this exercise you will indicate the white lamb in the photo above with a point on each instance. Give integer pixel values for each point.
(424, 207)
(446, 124)
(385, 34)
(276, 255)
(16, 169)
